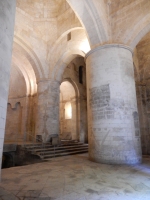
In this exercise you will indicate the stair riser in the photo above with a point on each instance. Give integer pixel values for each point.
(59, 148)
(48, 151)
(39, 146)
(59, 155)
(63, 151)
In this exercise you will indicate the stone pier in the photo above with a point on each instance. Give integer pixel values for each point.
(7, 17)
(47, 119)
(113, 122)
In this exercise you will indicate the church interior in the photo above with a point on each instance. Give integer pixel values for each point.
(75, 94)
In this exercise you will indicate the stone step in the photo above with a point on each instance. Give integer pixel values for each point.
(44, 153)
(48, 151)
(39, 146)
(31, 146)
(62, 142)
(58, 148)
(63, 154)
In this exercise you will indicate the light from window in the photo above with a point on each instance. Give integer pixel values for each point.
(68, 111)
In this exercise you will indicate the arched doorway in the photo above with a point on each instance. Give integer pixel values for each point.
(68, 112)
(73, 99)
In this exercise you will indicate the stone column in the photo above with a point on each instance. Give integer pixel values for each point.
(47, 119)
(7, 16)
(113, 123)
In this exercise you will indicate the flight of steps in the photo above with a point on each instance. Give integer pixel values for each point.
(47, 151)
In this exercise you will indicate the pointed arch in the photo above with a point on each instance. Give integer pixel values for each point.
(30, 55)
(95, 24)
(63, 62)
(138, 31)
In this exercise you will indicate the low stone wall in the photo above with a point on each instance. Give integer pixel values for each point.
(16, 155)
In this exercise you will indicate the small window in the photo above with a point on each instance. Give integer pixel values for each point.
(68, 111)
(69, 36)
(81, 74)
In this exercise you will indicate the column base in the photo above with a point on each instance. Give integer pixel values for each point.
(112, 161)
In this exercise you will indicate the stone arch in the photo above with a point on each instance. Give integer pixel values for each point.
(61, 39)
(24, 73)
(138, 32)
(74, 86)
(66, 32)
(63, 62)
(28, 65)
(29, 76)
(90, 16)
(77, 45)
(30, 56)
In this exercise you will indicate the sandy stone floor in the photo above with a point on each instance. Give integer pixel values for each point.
(76, 178)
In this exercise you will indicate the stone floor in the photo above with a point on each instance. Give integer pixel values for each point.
(76, 178)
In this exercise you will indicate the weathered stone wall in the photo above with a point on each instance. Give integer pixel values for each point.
(143, 118)
(17, 93)
(142, 76)
(30, 115)
(20, 120)
(13, 123)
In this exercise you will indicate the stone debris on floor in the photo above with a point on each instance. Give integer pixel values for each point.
(76, 178)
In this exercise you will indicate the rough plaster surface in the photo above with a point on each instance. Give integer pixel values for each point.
(114, 135)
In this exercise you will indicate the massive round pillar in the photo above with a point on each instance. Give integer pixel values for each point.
(113, 122)
(7, 17)
(47, 118)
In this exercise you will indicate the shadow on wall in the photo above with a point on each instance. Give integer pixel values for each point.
(8, 160)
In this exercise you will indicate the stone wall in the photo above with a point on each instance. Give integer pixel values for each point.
(21, 109)
(13, 123)
(142, 78)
